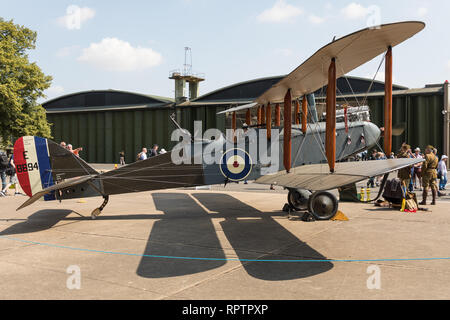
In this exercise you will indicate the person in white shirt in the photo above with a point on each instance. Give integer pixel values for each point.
(142, 155)
(417, 169)
(442, 172)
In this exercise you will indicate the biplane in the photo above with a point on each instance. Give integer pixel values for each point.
(311, 154)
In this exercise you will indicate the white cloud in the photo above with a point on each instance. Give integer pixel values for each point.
(315, 19)
(280, 12)
(355, 11)
(113, 54)
(75, 17)
(448, 64)
(422, 12)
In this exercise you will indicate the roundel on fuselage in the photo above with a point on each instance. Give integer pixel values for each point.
(235, 164)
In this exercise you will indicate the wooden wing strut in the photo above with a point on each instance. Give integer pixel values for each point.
(330, 134)
(388, 103)
(287, 131)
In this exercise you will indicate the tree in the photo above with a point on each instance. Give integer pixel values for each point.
(21, 83)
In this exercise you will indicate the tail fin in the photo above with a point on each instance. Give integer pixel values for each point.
(40, 163)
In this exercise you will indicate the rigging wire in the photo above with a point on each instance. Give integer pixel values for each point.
(373, 79)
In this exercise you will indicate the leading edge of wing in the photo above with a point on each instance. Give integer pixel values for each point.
(317, 177)
(243, 107)
(351, 51)
(67, 183)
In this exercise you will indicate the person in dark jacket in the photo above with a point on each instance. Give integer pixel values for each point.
(154, 151)
(122, 158)
(404, 174)
(3, 166)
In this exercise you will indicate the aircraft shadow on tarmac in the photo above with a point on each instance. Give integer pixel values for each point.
(38, 221)
(186, 230)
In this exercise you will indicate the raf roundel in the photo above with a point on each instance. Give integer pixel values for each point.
(236, 164)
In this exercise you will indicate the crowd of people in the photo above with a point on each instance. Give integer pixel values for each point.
(71, 149)
(413, 176)
(427, 172)
(145, 154)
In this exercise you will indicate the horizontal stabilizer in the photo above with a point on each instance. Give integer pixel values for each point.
(317, 177)
(65, 184)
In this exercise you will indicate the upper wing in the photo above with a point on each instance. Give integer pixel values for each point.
(317, 177)
(350, 52)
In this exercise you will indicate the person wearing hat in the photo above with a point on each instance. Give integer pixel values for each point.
(442, 172)
(417, 169)
(429, 175)
(404, 174)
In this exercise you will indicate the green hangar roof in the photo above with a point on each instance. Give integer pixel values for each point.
(103, 100)
(249, 90)
(242, 92)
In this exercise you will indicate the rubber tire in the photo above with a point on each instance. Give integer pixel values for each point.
(295, 194)
(312, 207)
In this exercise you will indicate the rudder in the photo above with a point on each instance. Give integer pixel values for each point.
(41, 162)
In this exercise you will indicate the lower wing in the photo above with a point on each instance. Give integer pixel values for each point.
(317, 177)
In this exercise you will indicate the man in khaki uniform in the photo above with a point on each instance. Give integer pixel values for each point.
(429, 175)
(404, 174)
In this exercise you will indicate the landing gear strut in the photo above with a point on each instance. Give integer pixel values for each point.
(96, 212)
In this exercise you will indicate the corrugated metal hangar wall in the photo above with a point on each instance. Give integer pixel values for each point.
(103, 134)
(118, 121)
(107, 122)
(420, 114)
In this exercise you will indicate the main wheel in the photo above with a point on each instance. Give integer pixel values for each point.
(298, 199)
(323, 205)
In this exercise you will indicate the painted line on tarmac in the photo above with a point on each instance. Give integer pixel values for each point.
(214, 259)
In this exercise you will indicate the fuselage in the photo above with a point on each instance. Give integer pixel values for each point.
(223, 160)
(308, 148)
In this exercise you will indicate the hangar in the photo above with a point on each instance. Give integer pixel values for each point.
(106, 122)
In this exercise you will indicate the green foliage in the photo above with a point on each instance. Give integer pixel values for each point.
(21, 83)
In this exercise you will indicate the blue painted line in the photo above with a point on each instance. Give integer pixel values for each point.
(216, 259)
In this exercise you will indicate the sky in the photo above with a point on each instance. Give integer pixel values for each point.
(134, 45)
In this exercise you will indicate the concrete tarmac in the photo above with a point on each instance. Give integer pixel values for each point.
(42, 245)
